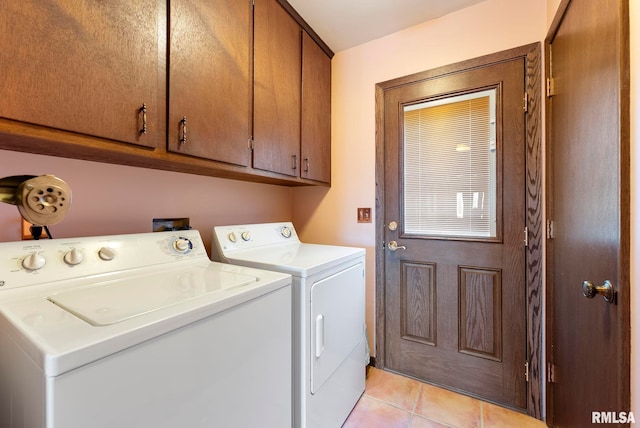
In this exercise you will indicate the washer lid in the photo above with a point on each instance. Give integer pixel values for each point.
(114, 301)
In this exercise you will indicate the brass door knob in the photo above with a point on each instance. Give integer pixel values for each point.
(605, 290)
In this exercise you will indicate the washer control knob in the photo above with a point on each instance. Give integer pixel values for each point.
(33, 261)
(232, 237)
(286, 232)
(74, 257)
(106, 253)
(246, 236)
(182, 245)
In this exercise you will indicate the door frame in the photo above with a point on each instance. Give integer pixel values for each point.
(531, 54)
(623, 282)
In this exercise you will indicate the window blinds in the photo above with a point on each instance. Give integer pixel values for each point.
(450, 166)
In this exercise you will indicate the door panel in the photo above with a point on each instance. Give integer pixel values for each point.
(455, 312)
(480, 316)
(589, 209)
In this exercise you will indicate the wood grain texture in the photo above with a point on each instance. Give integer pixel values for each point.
(419, 309)
(75, 75)
(506, 253)
(276, 86)
(530, 54)
(85, 67)
(536, 232)
(209, 79)
(480, 312)
(588, 201)
(316, 112)
(42, 140)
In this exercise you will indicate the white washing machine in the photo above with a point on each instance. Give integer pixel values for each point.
(140, 331)
(330, 350)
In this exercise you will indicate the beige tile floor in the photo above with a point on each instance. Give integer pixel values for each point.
(393, 401)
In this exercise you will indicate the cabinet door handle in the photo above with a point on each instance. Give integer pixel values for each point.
(183, 122)
(295, 162)
(306, 164)
(143, 110)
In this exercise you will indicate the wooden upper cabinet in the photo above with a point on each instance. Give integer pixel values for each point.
(194, 80)
(316, 112)
(209, 79)
(277, 81)
(85, 67)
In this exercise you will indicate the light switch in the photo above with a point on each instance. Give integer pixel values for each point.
(364, 215)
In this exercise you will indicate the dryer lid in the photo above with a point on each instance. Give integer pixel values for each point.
(298, 259)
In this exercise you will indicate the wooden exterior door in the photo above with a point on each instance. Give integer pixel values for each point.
(588, 210)
(455, 311)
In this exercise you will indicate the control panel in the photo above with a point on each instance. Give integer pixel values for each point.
(244, 237)
(35, 262)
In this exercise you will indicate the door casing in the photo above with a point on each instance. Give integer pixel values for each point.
(533, 187)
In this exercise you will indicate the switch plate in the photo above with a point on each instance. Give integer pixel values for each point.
(364, 215)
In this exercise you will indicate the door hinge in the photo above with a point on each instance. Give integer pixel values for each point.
(250, 143)
(526, 236)
(550, 229)
(526, 371)
(525, 101)
(551, 86)
(253, 4)
(552, 372)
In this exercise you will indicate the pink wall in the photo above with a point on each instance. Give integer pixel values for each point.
(329, 216)
(114, 199)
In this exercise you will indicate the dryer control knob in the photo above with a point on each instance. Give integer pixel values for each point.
(33, 261)
(182, 245)
(246, 236)
(232, 237)
(106, 253)
(74, 257)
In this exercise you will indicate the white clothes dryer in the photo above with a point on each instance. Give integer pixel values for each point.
(330, 349)
(140, 331)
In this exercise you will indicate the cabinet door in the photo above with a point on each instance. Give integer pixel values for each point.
(209, 80)
(277, 75)
(316, 112)
(82, 66)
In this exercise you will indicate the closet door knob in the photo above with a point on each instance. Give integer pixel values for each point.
(605, 290)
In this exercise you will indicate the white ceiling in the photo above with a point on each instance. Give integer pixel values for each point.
(343, 24)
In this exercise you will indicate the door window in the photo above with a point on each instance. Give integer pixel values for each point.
(450, 164)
